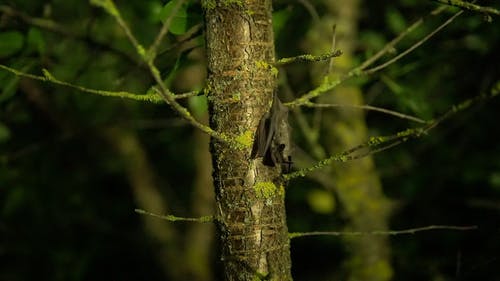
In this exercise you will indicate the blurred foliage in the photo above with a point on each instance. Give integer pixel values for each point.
(65, 204)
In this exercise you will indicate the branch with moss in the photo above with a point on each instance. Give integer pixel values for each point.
(382, 232)
(328, 85)
(169, 97)
(172, 218)
(470, 6)
(308, 58)
(49, 77)
(381, 143)
(209, 219)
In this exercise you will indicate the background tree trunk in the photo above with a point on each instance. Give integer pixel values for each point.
(356, 183)
(249, 195)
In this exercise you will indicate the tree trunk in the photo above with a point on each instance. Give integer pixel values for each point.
(356, 183)
(249, 195)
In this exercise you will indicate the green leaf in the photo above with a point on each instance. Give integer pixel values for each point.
(35, 40)
(9, 82)
(395, 21)
(10, 43)
(179, 23)
(198, 106)
(4, 133)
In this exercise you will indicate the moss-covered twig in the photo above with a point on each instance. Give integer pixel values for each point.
(165, 93)
(382, 232)
(173, 218)
(470, 6)
(381, 143)
(328, 84)
(49, 77)
(308, 58)
(367, 107)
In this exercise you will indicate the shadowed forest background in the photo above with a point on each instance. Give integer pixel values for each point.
(74, 166)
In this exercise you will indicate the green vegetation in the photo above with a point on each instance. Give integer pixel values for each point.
(94, 126)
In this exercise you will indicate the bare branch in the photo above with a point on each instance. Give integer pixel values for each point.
(413, 47)
(382, 232)
(328, 85)
(367, 107)
(173, 218)
(165, 93)
(311, 9)
(381, 143)
(169, 98)
(166, 25)
(334, 46)
(470, 6)
(110, 7)
(389, 46)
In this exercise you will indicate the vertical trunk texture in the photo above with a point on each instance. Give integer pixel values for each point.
(249, 195)
(356, 183)
(147, 195)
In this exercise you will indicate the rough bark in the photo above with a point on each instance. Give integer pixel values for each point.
(249, 195)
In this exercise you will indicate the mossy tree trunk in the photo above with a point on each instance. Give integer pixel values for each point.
(357, 183)
(249, 195)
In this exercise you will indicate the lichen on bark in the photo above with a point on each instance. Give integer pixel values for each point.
(252, 228)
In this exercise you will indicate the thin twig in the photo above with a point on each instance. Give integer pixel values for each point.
(308, 58)
(49, 77)
(382, 232)
(164, 29)
(310, 134)
(470, 6)
(334, 46)
(380, 143)
(327, 84)
(119, 94)
(310, 8)
(165, 93)
(413, 47)
(173, 218)
(169, 98)
(390, 46)
(110, 7)
(367, 107)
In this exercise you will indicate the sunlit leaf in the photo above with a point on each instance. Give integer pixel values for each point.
(179, 22)
(198, 105)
